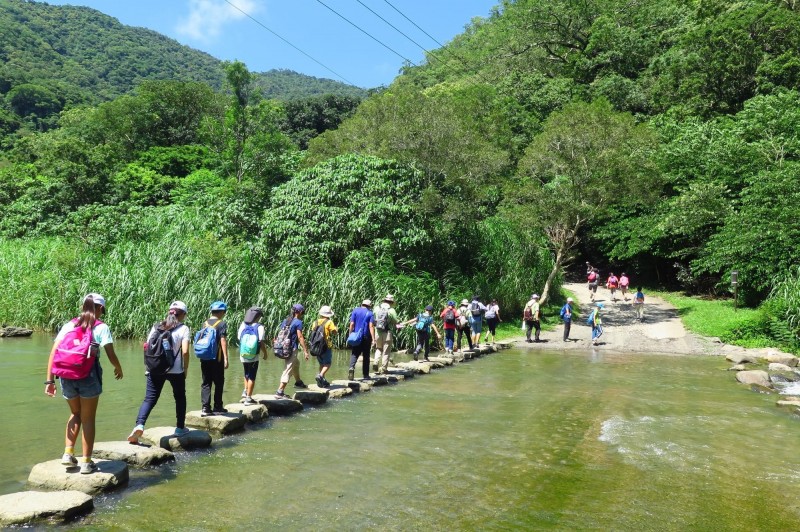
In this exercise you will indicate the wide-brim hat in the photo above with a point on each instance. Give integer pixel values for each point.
(389, 298)
(465, 302)
(326, 311)
(367, 303)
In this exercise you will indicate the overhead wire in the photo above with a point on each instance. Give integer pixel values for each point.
(248, 15)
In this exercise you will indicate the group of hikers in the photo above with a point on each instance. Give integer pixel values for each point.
(74, 358)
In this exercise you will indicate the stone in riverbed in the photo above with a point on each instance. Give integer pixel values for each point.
(336, 391)
(279, 407)
(36, 506)
(447, 361)
(781, 358)
(135, 455)
(784, 376)
(357, 386)
(761, 389)
(252, 413)
(166, 438)
(740, 358)
(110, 474)
(378, 380)
(14, 331)
(400, 372)
(311, 397)
(416, 366)
(754, 377)
(775, 366)
(738, 367)
(225, 423)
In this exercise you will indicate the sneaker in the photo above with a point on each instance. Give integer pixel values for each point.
(69, 460)
(88, 467)
(320, 381)
(300, 384)
(137, 431)
(374, 366)
(181, 431)
(351, 374)
(219, 410)
(248, 401)
(205, 412)
(280, 395)
(325, 383)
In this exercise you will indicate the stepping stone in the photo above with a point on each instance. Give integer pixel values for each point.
(436, 364)
(417, 366)
(166, 438)
(445, 360)
(378, 380)
(505, 344)
(36, 506)
(52, 475)
(400, 372)
(279, 407)
(312, 397)
(226, 423)
(252, 413)
(136, 455)
(336, 391)
(356, 386)
(395, 378)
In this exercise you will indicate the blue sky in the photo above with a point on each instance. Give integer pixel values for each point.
(216, 27)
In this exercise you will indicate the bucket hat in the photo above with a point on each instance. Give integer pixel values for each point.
(325, 310)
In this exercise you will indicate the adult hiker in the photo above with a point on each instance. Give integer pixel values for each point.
(624, 285)
(294, 325)
(476, 312)
(638, 302)
(75, 360)
(251, 337)
(449, 316)
(423, 324)
(211, 347)
(531, 317)
(597, 323)
(492, 319)
(167, 340)
(324, 325)
(462, 324)
(593, 278)
(361, 337)
(612, 284)
(566, 316)
(385, 322)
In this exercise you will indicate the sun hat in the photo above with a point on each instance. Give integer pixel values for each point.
(464, 302)
(367, 303)
(97, 298)
(451, 303)
(218, 305)
(570, 300)
(252, 314)
(389, 298)
(297, 307)
(325, 310)
(429, 308)
(535, 296)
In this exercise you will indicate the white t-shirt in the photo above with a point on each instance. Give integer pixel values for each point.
(179, 334)
(261, 334)
(491, 311)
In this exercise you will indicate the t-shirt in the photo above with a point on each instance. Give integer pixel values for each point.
(449, 325)
(491, 311)
(638, 298)
(101, 334)
(533, 304)
(612, 281)
(361, 317)
(295, 325)
(179, 334)
(329, 329)
(566, 312)
(259, 331)
(222, 332)
(624, 281)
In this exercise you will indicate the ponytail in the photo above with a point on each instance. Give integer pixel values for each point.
(171, 321)
(87, 317)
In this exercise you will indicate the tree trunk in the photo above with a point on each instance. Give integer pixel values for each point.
(556, 268)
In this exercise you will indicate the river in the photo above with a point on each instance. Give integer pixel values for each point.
(516, 440)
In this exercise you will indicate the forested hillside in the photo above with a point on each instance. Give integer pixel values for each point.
(658, 137)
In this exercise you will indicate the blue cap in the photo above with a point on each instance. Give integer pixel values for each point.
(218, 305)
(298, 308)
(451, 303)
(429, 308)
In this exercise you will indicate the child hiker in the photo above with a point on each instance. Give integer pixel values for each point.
(423, 324)
(213, 359)
(251, 342)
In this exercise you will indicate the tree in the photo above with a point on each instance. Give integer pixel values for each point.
(587, 159)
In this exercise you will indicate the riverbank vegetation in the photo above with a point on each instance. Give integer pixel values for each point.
(657, 137)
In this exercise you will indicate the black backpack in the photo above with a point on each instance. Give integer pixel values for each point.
(317, 343)
(159, 351)
(449, 316)
(475, 308)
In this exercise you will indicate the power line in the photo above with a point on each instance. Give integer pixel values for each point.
(365, 32)
(289, 43)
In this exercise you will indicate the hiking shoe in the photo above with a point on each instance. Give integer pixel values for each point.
(137, 431)
(248, 401)
(205, 412)
(69, 460)
(374, 366)
(181, 431)
(219, 410)
(320, 381)
(280, 395)
(351, 374)
(325, 383)
(300, 384)
(88, 467)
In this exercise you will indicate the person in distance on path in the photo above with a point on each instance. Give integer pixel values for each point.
(531, 317)
(566, 315)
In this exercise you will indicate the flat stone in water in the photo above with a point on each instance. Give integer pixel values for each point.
(400, 372)
(279, 407)
(756, 376)
(36, 506)
(378, 380)
(335, 391)
(51, 475)
(225, 423)
(252, 413)
(447, 361)
(312, 397)
(416, 366)
(166, 438)
(356, 386)
(15, 331)
(140, 455)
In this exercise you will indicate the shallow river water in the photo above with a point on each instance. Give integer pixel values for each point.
(516, 440)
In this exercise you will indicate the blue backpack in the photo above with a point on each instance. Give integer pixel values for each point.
(423, 323)
(590, 319)
(205, 342)
(249, 342)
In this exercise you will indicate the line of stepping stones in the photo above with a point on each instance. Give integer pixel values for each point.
(782, 368)
(68, 494)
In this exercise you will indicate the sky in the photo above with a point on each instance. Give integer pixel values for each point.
(220, 29)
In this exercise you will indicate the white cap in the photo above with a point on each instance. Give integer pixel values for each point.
(326, 311)
(97, 298)
(178, 305)
(570, 300)
(535, 296)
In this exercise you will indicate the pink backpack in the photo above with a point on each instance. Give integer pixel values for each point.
(75, 353)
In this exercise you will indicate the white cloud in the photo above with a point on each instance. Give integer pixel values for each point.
(206, 18)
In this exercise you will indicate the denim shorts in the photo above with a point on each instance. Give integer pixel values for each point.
(326, 358)
(87, 387)
(250, 370)
(476, 324)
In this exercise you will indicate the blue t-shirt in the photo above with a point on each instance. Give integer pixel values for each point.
(566, 312)
(296, 325)
(361, 317)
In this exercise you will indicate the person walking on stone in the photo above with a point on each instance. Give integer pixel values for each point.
(213, 370)
(566, 316)
(492, 319)
(325, 321)
(463, 324)
(476, 312)
(531, 317)
(361, 338)
(449, 316)
(291, 366)
(597, 324)
(423, 323)
(638, 302)
(385, 323)
(175, 375)
(252, 338)
(81, 387)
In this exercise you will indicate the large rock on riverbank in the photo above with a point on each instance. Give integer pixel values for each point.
(780, 358)
(133, 454)
(52, 475)
(27, 507)
(14, 332)
(759, 377)
(166, 438)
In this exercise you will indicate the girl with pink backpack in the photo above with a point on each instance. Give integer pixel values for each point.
(75, 360)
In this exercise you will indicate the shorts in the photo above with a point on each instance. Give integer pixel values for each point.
(477, 325)
(326, 358)
(250, 370)
(593, 287)
(86, 388)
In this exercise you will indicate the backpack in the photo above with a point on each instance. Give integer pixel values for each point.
(592, 277)
(563, 312)
(283, 342)
(76, 353)
(422, 322)
(382, 319)
(449, 316)
(590, 319)
(317, 343)
(205, 342)
(527, 314)
(475, 308)
(159, 351)
(249, 342)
